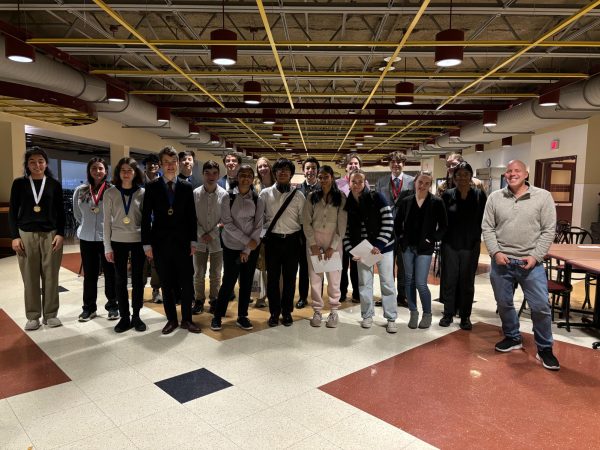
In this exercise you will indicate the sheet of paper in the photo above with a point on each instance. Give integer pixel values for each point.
(588, 246)
(327, 265)
(363, 250)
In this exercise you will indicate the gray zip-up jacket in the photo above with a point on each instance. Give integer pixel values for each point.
(91, 225)
(519, 227)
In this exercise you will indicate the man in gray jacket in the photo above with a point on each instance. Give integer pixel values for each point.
(518, 228)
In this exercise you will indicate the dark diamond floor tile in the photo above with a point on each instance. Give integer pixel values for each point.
(192, 385)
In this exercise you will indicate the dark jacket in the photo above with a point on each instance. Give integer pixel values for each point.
(157, 225)
(372, 210)
(432, 229)
(464, 218)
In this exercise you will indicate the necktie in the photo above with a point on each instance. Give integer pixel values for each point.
(170, 185)
(396, 183)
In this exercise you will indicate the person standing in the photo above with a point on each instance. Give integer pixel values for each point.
(169, 237)
(242, 215)
(370, 218)
(37, 226)
(88, 209)
(420, 223)
(353, 162)
(461, 246)
(452, 161)
(394, 187)
(232, 161)
(518, 228)
(122, 238)
(186, 167)
(283, 218)
(324, 225)
(310, 167)
(152, 172)
(207, 199)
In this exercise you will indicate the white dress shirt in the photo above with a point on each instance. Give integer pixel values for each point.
(291, 220)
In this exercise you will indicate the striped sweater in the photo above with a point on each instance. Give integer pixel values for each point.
(370, 218)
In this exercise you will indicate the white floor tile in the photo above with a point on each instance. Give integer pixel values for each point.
(167, 366)
(239, 369)
(12, 434)
(112, 439)
(274, 387)
(112, 382)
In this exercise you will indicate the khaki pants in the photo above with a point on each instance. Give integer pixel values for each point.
(40, 263)
(216, 266)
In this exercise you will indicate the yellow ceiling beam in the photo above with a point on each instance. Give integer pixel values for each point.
(340, 95)
(396, 74)
(286, 44)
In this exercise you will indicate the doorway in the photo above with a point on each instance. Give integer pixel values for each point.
(557, 175)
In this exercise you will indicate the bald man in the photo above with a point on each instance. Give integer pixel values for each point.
(518, 228)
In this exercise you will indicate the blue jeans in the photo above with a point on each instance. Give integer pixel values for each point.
(385, 267)
(416, 270)
(535, 288)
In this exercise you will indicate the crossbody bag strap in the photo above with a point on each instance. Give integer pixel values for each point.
(282, 208)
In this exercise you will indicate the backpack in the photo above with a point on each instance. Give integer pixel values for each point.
(232, 196)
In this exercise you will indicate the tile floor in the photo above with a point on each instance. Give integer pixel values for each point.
(282, 379)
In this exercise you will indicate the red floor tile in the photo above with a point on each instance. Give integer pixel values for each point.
(24, 367)
(72, 262)
(457, 392)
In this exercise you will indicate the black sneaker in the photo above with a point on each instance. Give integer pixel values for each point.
(378, 303)
(465, 324)
(446, 320)
(215, 324)
(548, 359)
(287, 320)
(244, 323)
(507, 344)
(137, 323)
(301, 303)
(123, 325)
(113, 314)
(273, 320)
(86, 316)
(198, 307)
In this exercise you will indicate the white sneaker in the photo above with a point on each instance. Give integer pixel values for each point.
(391, 327)
(52, 322)
(332, 320)
(316, 319)
(367, 322)
(32, 325)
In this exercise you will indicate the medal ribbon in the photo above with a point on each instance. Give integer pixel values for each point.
(37, 197)
(96, 198)
(396, 190)
(127, 205)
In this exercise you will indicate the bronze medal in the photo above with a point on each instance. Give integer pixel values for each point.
(126, 220)
(95, 209)
(37, 208)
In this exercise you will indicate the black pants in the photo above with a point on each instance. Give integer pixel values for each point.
(121, 251)
(282, 260)
(92, 255)
(232, 270)
(303, 274)
(347, 262)
(175, 269)
(400, 284)
(458, 275)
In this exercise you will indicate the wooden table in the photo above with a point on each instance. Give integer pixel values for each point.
(591, 265)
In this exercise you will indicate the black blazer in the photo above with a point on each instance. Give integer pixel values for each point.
(433, 227)
(157, 225)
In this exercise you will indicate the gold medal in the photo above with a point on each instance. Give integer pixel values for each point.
(126, 220)
(95, 209)
(37, 208)
(170, 211)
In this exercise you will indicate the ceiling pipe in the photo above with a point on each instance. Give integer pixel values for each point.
(46, 73)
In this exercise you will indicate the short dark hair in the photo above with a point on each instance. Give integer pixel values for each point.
(463, 166)
(33, 151)
(91, 162)
(210, 164)
(398, 156)
(152, 158)
(351, 156)
(283, 163)
(237, 155)
(138, 179)
(311, 159)
(246, 168)
(186, 153)
(167, 151)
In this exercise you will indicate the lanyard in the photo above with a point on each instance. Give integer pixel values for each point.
(96, 198)
(127, 205)
(396, 192)
(37, 197)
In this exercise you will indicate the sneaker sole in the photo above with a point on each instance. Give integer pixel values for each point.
(216, 328)
(331, 325)
(91, 316)
(366, 325)
(316, 325)
(113, 317)
(537, 356)
(245, 328)
(509, 349)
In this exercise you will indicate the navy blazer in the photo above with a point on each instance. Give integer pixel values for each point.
(160, 227)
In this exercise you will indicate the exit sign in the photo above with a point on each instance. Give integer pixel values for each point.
(555, 144)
